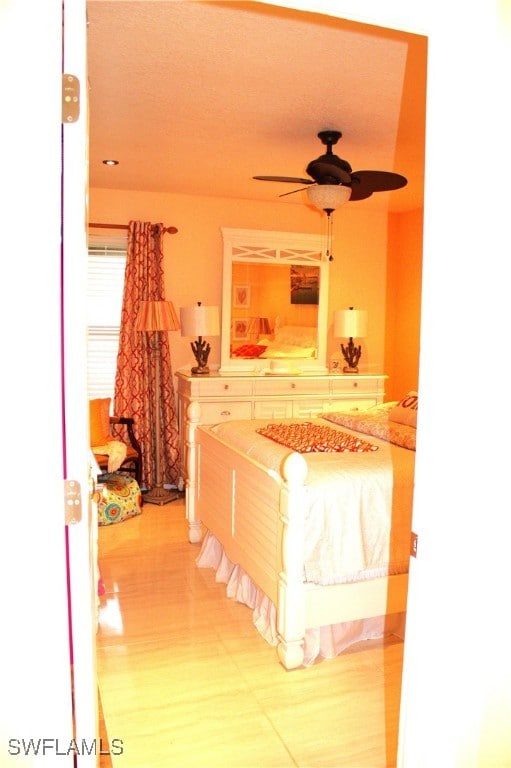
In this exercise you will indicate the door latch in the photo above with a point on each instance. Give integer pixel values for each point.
(72, 502)
(70, 98)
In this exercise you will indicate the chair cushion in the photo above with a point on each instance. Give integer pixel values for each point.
(102, 458)
(99, 421)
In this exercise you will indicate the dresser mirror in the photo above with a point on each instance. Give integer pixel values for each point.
(274, 303)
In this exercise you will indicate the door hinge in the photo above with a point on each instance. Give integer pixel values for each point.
(72, 502)
(70, 98)
(413, 544)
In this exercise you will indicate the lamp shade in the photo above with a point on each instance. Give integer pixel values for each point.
(259, 325)
(328, 197)
(156, 316)
(350, 323)
(199, 321)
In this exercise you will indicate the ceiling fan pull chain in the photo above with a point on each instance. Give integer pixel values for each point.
(329, 235)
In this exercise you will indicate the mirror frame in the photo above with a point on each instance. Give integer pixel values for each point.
(254, 246)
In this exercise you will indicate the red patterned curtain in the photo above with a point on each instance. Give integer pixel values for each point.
(135, 382)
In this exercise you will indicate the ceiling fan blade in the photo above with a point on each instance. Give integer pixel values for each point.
(364, 183)
(359, 193)
(286, 179)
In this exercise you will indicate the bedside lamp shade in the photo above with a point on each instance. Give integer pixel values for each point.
(350, 324)
(199, 321)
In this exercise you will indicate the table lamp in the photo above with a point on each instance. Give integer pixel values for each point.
(349, 324)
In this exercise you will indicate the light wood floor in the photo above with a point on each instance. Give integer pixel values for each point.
(186, 681)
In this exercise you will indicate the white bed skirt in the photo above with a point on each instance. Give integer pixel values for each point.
(320, 642)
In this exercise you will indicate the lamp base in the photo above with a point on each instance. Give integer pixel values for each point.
(201, 350)
(159, 495)
(351, 354)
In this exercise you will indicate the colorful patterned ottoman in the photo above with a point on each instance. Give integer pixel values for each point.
(120, 498)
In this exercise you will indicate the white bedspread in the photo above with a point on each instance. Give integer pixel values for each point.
(358, 511)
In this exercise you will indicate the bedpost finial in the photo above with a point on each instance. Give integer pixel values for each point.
(294, 469)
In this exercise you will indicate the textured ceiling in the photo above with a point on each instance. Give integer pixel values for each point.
(197, 97)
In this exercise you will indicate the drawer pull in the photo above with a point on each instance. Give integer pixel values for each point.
(225, 413)
(226, 386)
(293, 385)
(355, 383)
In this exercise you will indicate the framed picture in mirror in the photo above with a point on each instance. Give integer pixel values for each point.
(240, 329)
(241, 296)
(304, 285)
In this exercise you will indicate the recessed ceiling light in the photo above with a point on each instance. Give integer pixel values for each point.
(111, 162)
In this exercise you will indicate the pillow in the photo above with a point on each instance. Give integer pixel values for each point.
(99, 421)
(297, 335)
(287, 350)
(405, 412)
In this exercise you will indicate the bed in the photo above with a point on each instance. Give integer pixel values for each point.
(313, 534)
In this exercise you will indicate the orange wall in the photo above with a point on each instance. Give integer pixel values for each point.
(193, 257)
(404, 276)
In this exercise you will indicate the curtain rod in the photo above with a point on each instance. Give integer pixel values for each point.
(170, 230)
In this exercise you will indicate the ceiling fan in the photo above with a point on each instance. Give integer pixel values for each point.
(328, 169)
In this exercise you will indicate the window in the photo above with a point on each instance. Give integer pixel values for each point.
(105, 284)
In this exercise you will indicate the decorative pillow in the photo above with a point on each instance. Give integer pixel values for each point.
(405, 412)
(99, 421)
(306, 437)
(120, 500)
(249, 350)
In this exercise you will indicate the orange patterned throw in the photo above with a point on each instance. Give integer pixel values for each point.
(307, 437)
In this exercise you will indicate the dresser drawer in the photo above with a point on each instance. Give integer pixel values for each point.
(345, 385)
(195, 387)
(212, 413)
(273, 409)
(273, 385)
(219, 387)
(308, 409)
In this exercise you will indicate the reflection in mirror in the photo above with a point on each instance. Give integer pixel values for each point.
(275, 301)
(271, 294)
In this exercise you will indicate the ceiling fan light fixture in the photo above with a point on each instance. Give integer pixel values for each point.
(328, 197)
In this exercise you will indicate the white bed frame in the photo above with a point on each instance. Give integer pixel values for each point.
(258, 517)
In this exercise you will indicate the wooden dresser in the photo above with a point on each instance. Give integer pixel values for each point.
(223, 398)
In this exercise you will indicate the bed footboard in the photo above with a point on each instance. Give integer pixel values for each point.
(258, 516)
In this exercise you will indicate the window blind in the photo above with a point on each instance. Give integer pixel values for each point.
(105, 284)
